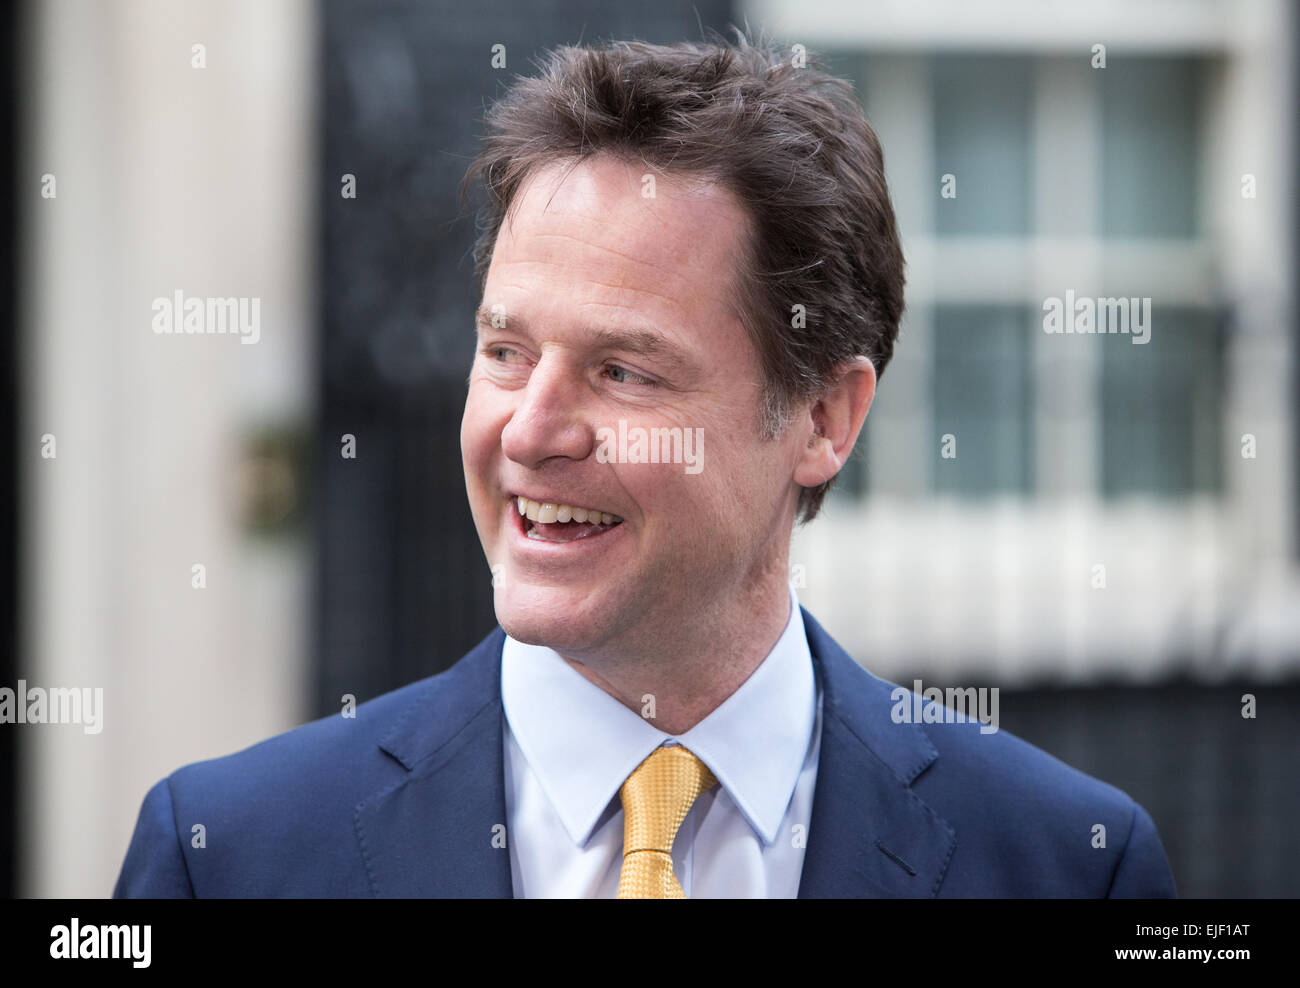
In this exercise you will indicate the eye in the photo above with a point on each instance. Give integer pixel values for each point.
(491, 351)
(627, 377)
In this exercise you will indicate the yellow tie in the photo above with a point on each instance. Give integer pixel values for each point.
(656, 798)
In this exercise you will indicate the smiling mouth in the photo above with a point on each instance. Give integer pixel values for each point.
(548, 521)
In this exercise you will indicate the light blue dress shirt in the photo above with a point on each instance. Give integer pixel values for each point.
(569, 746)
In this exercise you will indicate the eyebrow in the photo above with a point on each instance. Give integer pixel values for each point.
(639, 341)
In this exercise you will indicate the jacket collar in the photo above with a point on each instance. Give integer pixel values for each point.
(440, 830)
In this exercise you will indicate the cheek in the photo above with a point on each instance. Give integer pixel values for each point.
(479, 467)
(480, 427)
(685, 510)
(748, 479)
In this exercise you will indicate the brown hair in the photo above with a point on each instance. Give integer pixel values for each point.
(790, 142)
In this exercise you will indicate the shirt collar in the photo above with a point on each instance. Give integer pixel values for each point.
(582, 744)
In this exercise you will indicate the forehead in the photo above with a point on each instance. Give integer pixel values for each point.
(616, 232)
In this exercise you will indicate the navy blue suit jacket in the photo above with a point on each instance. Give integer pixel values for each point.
(407, 798)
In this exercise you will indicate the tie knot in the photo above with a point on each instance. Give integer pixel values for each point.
(657, 796)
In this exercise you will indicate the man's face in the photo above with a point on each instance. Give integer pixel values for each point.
(611, 306)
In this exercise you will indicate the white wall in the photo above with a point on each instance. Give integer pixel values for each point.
(168, 177)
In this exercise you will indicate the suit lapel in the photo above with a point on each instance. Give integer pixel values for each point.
(870, 834)
(438, 831)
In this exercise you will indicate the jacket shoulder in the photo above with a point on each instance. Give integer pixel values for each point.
(1056, 830)
(279, 817)
(335, 753)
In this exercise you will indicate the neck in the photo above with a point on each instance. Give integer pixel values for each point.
(681, 676)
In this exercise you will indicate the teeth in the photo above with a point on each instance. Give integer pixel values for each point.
(547, 512)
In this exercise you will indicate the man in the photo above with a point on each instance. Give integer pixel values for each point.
(692, 280)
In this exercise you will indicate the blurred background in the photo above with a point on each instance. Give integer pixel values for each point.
(1115, 544)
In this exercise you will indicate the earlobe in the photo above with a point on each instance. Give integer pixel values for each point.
(837, 418)
(818, 464)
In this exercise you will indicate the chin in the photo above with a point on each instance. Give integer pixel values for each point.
(549, 616)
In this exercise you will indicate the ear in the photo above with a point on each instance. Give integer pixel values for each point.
(837, 419)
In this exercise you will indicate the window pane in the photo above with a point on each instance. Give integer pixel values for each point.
(1150, 146)
(982, 138)
(982, 396)
(1160, 406)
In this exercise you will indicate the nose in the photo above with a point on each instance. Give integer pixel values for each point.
(548, 420)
